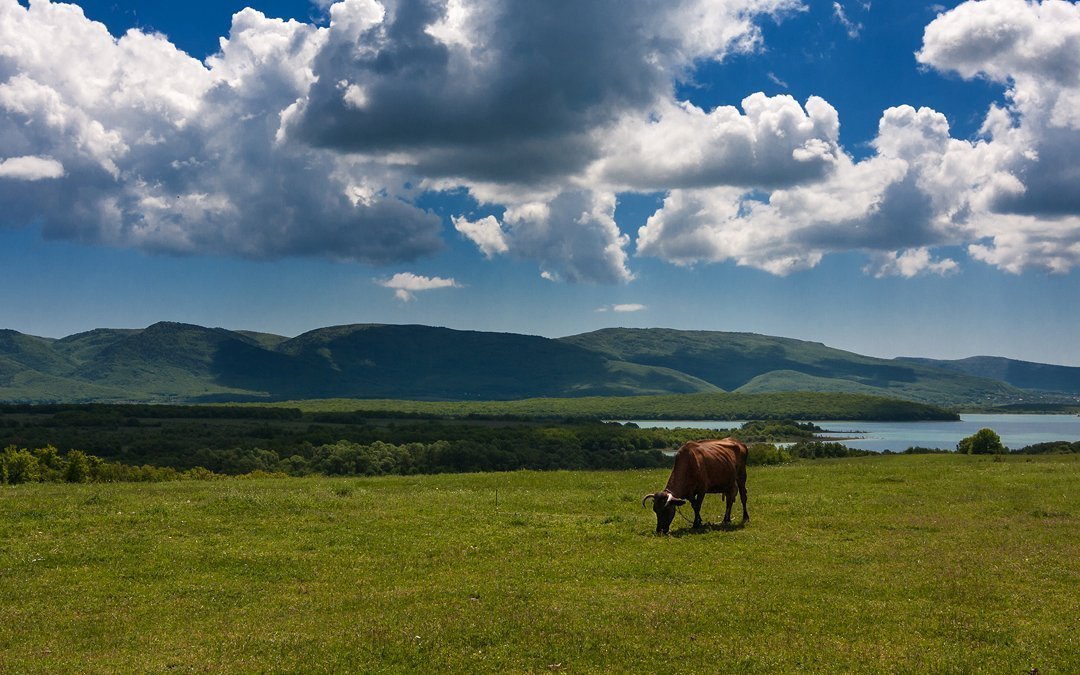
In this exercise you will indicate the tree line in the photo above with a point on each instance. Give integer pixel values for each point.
(121, 443)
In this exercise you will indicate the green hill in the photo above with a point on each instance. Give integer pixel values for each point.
(753, 363)
(180, 362)
(1022, 374)
(175, 362)
(439, 363)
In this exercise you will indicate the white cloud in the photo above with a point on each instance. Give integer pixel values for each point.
(1009, 195)
(623, 308)
(30, 167)
(486, 233)
(165, 153)
(1029, 215)
(407, 284)
(910, 263)
(775, 79)
(853, 28)
(775, 141)
(572, 235)
(909, 195)
(297, 139)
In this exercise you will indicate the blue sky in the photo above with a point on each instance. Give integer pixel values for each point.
(890, 178)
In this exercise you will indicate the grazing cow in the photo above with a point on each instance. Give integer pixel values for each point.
(702, 467)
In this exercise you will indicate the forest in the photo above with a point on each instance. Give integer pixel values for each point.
(241, 440)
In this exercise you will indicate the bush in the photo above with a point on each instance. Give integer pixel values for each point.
(20, 465)
(821, 449)
(1053, 447)
(982, 442)
(919, 450)
(78, 467)
(765, 454)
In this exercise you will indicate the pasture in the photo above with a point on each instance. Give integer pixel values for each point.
(899, 564)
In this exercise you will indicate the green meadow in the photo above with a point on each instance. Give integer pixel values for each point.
(940, 563)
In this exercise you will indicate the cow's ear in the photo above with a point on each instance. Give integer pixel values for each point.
(676, 501)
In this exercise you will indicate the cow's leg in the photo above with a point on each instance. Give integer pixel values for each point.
(742, 494)
(729, 496)
(696, 501)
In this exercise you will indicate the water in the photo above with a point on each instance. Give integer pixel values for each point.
(1016, 431)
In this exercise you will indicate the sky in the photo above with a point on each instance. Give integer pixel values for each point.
(891, 178)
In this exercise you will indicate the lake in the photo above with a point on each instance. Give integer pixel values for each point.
(1016, 431)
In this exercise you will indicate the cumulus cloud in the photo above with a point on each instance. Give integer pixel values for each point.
(573, 237)
(772, 141)
(495, 90)
(298, 139)
(486, 233)
(30, 168)
(320, 140)
(1029, 219)
(909, 195)
(910, 263)
(1009, 195)
(407, 284)
(165, 153)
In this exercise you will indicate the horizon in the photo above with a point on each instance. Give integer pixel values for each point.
(888, 179)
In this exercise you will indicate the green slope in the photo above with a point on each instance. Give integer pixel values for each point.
(790, 380)
(1022, 374)
(32, 352)
(178, 362)
(735, 360)
(431, 363)
(703, 406)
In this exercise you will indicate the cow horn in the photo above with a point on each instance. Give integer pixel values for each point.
(646, 498)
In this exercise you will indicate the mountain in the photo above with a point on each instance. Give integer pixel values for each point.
(751, 363)
(175, 362)
(388, 361)
(1022, 374)
(182, 362)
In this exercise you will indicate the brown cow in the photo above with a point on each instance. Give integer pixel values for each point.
(702, 467)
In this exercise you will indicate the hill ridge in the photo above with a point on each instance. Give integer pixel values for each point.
(171, 361)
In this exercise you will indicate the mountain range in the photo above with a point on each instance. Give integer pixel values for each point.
(174, 362)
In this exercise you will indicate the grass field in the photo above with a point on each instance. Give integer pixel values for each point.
(902, 563)
(792, 405)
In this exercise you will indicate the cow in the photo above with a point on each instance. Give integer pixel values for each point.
(702, 467)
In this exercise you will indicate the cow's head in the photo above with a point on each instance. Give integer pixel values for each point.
(663, 506)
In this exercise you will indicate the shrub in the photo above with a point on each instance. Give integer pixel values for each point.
(764, 454)
(1053, 447)
(982, 442)
(820, 449)
(919, 450)
(78, 467)
(21, 465)
(199, 473)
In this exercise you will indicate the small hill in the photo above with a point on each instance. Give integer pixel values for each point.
(21, 351)
(1022, 374)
